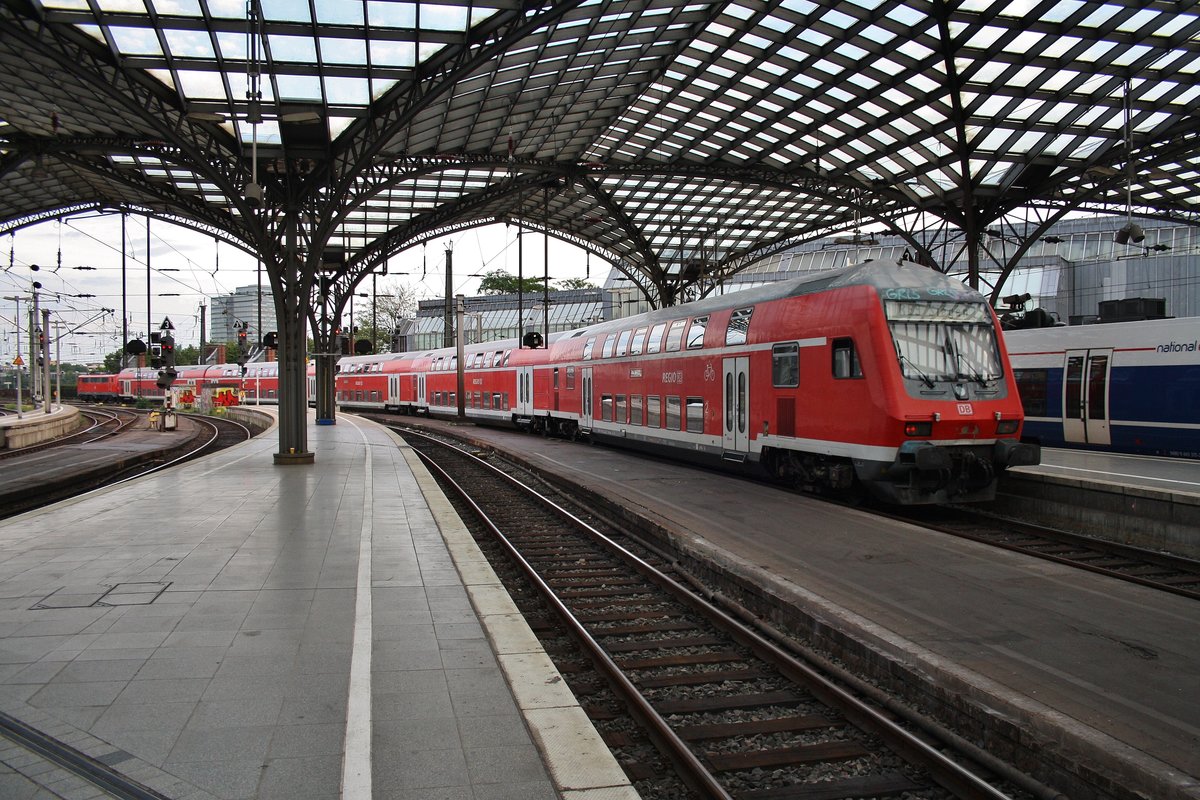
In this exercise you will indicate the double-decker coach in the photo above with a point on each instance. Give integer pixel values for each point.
(887, 376)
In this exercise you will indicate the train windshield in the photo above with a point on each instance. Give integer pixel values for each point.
(944, 341)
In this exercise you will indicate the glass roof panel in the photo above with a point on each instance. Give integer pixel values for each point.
(297, 49)
(280, 10)
(339, 12)
(190, 44)
(136, 41)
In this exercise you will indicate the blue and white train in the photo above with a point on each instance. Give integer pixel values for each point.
(1130, 387)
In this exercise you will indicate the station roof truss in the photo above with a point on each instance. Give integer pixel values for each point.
(678, 140)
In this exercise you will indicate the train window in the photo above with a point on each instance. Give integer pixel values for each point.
(500, 400)
(1031, 385)
(587, 348)
(635, 409)
(695, 337)
(482, 401)
(375, 398)
(673, 413)
(654, 343)
(570, 379)
(675, 336)
(739, 324)
(944, 341)
(556, 377)
(654, 411)
(499, 359)
(785, 365)
(609, 343)
(623, 343)
(639, 339)
(453, 399)
(695, 414)
(845, 359)
(621, 410)
(606, 407)
(507, 353)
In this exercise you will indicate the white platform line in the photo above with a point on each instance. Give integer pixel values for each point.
(356, 756)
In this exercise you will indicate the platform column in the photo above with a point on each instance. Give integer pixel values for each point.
(291, 311)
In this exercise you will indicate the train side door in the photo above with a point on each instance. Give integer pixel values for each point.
(421, 398)
(1085, 396)
(585, 408)
(393, 396)
(525, 391)
(736, 407)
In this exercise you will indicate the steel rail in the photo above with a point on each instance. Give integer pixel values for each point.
(944, 770)
(691, 770)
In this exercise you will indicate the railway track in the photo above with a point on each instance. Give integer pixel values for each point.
(104, 423)
(1162, 571)
(218, 434)
(62, 475)
(735, 714)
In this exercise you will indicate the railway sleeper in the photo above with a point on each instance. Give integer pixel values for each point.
(886, 785)
(700, 705)
(701, 678)
(786, 756)
(755, 727)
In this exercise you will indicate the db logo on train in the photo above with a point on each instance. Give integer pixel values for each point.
(965, 409)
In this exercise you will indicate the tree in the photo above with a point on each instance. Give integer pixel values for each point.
(187, 355)
(112, 362)
(388, 312)
(500, 282)
(575, 283)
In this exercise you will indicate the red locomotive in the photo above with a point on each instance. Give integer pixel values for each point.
(886, 376)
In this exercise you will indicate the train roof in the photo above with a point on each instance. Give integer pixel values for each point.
(882, 274)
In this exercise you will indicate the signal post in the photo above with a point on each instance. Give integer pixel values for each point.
(162, 354)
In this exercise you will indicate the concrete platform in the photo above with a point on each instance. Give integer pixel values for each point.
(238, 629)
(1099, 673)
(1140, 500)
(34, 427)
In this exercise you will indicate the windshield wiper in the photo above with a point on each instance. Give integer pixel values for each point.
(925, 378)
(977, 377)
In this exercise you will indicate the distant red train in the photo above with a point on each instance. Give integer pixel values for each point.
(887, 377)
(259, 384)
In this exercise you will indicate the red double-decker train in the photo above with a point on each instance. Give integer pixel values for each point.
(887, 377)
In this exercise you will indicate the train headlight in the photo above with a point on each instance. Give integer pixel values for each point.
(918, 428)
(1007, 426)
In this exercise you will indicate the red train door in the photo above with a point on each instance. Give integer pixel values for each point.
(1085, 396)
(736, 407)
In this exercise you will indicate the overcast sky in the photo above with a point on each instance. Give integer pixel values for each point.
(82, 255)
